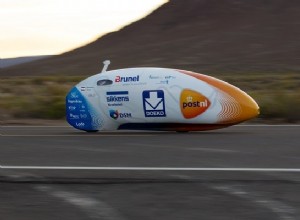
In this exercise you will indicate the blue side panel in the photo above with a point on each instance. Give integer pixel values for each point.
(78, 112)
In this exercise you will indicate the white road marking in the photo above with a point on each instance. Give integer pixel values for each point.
(152, 168)
(211, 149)
(282, 210)
(95, 209)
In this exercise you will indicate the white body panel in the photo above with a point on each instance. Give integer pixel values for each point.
(143, 96)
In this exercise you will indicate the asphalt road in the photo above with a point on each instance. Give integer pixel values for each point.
(60, 173)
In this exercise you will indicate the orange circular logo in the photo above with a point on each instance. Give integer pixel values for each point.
(193, 103)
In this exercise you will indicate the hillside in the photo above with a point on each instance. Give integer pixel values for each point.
(4, 63)
(208, 36)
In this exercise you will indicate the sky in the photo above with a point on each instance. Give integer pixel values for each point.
(47, 27)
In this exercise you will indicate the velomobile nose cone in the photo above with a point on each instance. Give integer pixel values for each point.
(237, 106)
(249, 108)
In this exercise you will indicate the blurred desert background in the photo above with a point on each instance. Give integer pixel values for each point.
(252, 44)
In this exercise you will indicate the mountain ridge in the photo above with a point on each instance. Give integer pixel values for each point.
(208, 36)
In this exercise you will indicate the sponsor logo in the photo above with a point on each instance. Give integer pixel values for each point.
(80, 124)
(115, 114)
(170, 77)
(71, 107)
(75, 101)
(127, 79)
(72, 116)
(193, 103)
(154, 103)
(117, 98)
(83, 116)
(155, 77)
(167, 80)
(82, 109)
(83, 88)
(74, 95)
(163, 82)
(162, 79)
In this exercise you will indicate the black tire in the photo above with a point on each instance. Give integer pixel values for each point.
(92, 131)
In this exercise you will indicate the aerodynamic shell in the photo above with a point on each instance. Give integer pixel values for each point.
(156, 99)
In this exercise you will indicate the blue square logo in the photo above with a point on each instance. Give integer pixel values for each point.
(154, 103)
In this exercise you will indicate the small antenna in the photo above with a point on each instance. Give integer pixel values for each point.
(106, 64)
